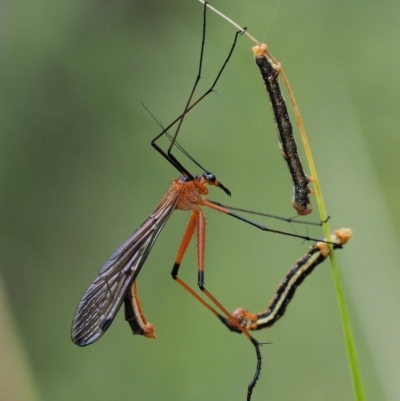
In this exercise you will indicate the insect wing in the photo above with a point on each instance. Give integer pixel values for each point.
(103, 298)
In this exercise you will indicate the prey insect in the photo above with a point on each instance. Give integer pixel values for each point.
(116, 282)
(270, 73)
(287, 288)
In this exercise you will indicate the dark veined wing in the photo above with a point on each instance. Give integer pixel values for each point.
(104, 297)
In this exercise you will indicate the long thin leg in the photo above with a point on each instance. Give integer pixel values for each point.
(272, 216)
(187, 236)
(197, 220)
(168, 155)
(201, 233)
(216, 206)
(196, 82)
(211, 89)
(134, 314)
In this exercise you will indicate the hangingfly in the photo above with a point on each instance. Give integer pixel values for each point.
(104, 297)
(116, 281)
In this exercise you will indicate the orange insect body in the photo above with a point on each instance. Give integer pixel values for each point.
(115, 282)
(192, 193)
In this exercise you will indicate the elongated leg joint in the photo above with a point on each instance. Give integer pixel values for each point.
(174, 272)
(200, 280)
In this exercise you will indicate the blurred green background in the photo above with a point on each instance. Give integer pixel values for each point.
(78, 176)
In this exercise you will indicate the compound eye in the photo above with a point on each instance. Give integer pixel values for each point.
(209, 177)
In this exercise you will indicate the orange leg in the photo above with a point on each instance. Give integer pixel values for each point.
(201, 234)
(197, 220)
(134, 314)
(187, 236)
